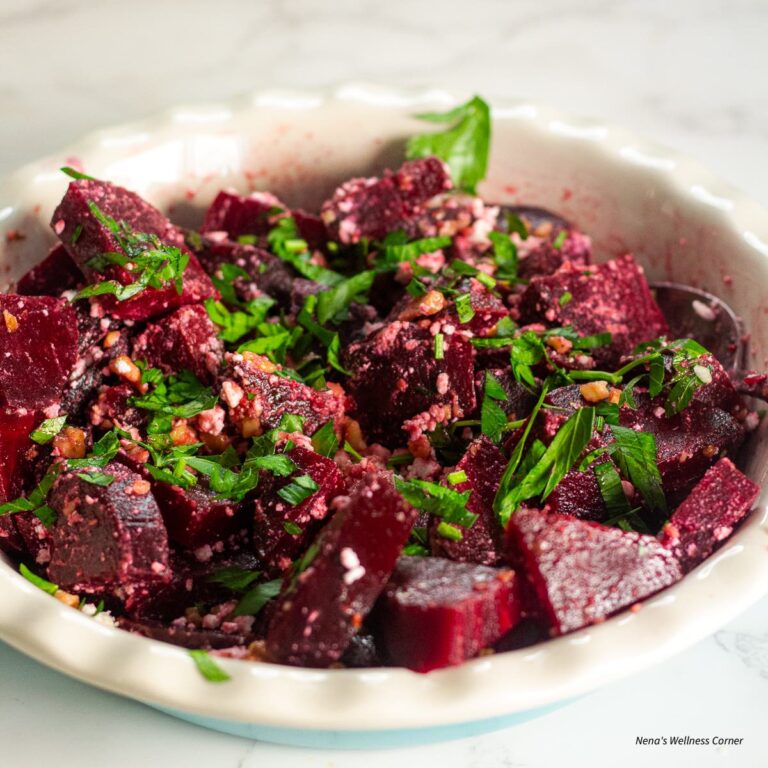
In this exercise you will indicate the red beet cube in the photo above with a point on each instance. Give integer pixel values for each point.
(280, 530)
(38, 349)
(482, 543)
(108, 539)
(550, 243)
(437, 613)
(15, 427)
(397, 382)
(321, 608)
(578, 495)
(207, 639)
(195, 516)
(86, 238)
(187, 339)
(258, 397)
(36, 537)
(112, 408)
(584, 572)
(611, 297)
(371, 208)
(53, 275)
(238, 215)
(267, 274)
(707, 517)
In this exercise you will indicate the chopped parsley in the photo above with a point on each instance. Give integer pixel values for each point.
(439, 346)
(207, 667)
(48, 429)
(324, 441)
(493, 418)
(151, 263)
(39, 582)
(298, 490)
(255, 599)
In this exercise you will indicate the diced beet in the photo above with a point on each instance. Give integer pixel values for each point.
(239, 215)
(481, 543)
(371, 208)
(15, 426)
(186, 339)
(488, 309)
(437, 613)
(258, 397)
(10, 538)
(546, 249)
(275, 546)
(312, 229)
(320, 609)
(584, 572)
(611, 297)
(37, 538)
(207, 639)
(686, 444)
(707, 517)
(267, 274)
(194, 516)
(398, 384)
(38, 349)
(578, 495)
(720, 392)
(86, 238)
(112, 408)
(107, 539)
(55, 274)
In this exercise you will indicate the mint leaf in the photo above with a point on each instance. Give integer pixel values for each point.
(446, 503)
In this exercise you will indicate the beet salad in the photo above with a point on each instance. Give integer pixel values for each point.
(407, 428)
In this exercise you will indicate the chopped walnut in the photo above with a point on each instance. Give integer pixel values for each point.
(560, 344)
(183, 434)
(250, 427)
(260, 362)
(73, 601)
(111, 339)
(11, 323)
(70, 443)
(354, 436)
(124, 368)
(595, 391)
(420, 306)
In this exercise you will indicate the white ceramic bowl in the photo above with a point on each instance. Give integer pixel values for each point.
(683, 224)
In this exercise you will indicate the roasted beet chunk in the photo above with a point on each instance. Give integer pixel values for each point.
(370, 208)
(86, 238)
(258, 397)
(207, 639)
(195, 516)
(108, 539)
(241, 214)
(38, 350)
(15, 426)
(436, 613)
(707, 517)
(612, 297)
(551, 241)
(584, 572)
(578, 495)
(185, 339)
(53, 275)
(112, 408)
(398, 383)
(321, 608)
(484, 464)
(281, 530)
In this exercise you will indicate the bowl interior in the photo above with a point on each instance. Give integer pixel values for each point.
(680, 223)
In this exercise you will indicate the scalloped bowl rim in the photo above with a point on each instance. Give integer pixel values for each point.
(388, 699)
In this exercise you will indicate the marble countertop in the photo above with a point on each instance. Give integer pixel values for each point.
(689, 74)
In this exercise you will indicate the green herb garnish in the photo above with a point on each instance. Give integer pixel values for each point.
(298, 490)
(48, 430)
(207, 667)
(39, 582)
(464, 146)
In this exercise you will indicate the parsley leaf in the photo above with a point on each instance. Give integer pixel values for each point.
(493, 418)
(207, 667)
(464, 145)
(48, 430)
(286, 243)
(254, 600)
(40, 583)
(145, 257)
(234, 578)
(34, 502)
(505, 256)
(557, 459)
(446, 503)
(97, 478)
(324, 441)
(298, 490)
(77, 175)
(333, 304)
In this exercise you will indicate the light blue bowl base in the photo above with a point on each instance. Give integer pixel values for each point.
(361, 739)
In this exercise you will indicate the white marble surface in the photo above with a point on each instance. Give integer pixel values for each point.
(689, 73)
